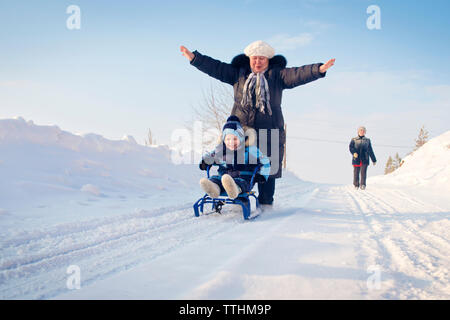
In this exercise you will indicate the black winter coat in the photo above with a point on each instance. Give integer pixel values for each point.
(278, 77)
(363, 147)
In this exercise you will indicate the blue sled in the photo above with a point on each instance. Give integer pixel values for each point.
(243, 200)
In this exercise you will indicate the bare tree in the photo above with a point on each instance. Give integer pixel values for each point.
(212, 112)
(150, 141)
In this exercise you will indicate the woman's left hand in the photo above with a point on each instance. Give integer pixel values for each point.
(323, 68)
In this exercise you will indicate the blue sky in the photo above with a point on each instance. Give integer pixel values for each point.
(122, 72)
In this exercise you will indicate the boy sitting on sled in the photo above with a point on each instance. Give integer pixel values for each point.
(237, 160)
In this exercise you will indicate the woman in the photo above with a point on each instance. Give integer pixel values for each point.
(259, 77)
(361, 149)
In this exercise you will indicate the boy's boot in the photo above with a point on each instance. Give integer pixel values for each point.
(230, 186)
(211, 188)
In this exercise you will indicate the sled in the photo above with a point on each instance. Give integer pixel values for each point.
(243, 199)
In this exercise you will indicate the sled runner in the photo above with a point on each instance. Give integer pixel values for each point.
(243, 199)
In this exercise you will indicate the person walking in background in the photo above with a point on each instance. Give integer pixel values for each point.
(258, 77)
(361, 149)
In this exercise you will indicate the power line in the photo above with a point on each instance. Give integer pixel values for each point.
(344, 142)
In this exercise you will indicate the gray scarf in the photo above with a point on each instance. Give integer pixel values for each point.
(256, 82)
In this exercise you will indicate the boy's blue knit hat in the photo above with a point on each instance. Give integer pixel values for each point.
(233, 126)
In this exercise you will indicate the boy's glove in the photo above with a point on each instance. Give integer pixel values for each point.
(208, 157)
(203, 165)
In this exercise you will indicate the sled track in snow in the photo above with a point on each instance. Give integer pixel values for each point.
(397, 233)
(100, 248)
(409, 255)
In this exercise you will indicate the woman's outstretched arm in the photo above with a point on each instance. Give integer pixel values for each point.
(224, 72)
(296, 76)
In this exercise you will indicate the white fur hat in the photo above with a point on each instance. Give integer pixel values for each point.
(362, 127)
(259, 48)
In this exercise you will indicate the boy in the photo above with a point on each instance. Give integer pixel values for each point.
(237, 160)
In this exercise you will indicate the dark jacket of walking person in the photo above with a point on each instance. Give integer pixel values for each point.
(361, 149)
(259, 77)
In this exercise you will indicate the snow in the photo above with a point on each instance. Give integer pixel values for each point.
(428, 167)
(122, 213)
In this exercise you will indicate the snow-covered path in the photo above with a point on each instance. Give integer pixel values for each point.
(408, 238)
(319, 242)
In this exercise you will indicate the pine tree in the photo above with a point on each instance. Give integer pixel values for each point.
(422, 138)
(389, 166)
(397, 162)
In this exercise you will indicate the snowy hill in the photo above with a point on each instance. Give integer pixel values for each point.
(122, 215)
(46, 169)
(428, 167)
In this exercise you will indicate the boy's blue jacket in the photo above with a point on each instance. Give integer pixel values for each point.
(238, 163)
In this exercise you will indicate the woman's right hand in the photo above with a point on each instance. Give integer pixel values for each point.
(187, 53)
(355, 155)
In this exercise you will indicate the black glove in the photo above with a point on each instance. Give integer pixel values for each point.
(203, 165)
(259, 178)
